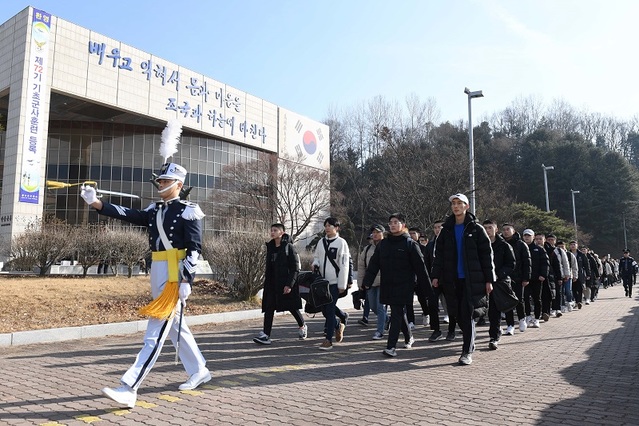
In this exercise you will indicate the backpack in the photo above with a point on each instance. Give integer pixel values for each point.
(314, 289)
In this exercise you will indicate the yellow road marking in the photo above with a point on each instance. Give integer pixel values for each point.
(229, 383)
(145, 404)
(52, 424)
(119, 411)
(88, 419)
(265, 374)
(192, 392)
(210, 387)
(169, 398)
(249, 378)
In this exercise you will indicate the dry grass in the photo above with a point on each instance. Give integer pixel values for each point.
(32, 303)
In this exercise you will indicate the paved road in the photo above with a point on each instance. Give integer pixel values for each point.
(580, 369)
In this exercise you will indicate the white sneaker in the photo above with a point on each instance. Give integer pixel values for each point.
(587, 302)
(410, 343)
(426, 321)
(523, 325)
(378, 336)
(553, 314)
(535, 324)
(123, 395)
(510, 330)
(202, 376)
(446, 320)
(569, 307)
(303, 332)
(411, 326)
(564, 309)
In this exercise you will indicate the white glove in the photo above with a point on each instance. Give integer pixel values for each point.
(184, 292)
(89, 194)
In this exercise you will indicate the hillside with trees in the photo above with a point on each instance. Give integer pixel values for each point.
(387, 156)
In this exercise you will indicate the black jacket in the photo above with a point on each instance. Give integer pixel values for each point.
(626, 266)
(504, 258)
(281, 271)
(478, 259)
(554, 273)
(539, 262)
(522, 258)
(429, 256)
(399, 259)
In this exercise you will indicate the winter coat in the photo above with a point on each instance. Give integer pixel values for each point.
(282, 269)
(504, 258)
(399, 259)
(539, 262)
(563, 261)
(574, 267)
(478, 260)
(522, 258)
(363, 261)
(583, 266)
(338, 251)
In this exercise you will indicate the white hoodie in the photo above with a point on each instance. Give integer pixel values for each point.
(342, 258)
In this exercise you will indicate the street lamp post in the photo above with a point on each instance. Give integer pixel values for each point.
(471, 149)
(546, 168)
(574, 213)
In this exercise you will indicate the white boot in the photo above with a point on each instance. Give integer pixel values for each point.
(202, 376)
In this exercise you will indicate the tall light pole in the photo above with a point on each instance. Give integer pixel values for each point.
(574, 213)
(546, 168)
(471, 148)
(625, 238)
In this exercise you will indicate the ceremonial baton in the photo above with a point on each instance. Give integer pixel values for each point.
(177, 342)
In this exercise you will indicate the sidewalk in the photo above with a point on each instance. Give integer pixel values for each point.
(581, 369)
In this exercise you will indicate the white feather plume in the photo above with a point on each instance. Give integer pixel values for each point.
(170, 139)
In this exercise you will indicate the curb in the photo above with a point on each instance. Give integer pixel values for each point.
(122, 328)
(118, 328)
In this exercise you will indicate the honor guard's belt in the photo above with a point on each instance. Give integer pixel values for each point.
(172, 256)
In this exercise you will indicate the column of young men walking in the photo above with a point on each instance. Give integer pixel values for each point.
(457, 269)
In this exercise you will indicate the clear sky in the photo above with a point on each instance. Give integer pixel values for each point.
(311, 56)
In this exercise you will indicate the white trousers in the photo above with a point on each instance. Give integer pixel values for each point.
(157, 332)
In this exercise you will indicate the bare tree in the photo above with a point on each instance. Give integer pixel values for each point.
(300, 193)
(42, 244)
(129, 246)
(91, 245)
(239, 258)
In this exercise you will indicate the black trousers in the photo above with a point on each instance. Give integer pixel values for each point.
(533, 291)
(627, 283)
(268, 320)
(577, 291)
(398, 321)
(510, 315)
(423, 302)
(546, 297)
(494, 316)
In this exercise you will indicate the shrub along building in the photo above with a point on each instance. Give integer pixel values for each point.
(79, 106)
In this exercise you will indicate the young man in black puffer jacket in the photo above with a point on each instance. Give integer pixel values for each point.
(463, 266)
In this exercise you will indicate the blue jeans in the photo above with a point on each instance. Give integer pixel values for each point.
(329, 313)
(372, 296)
(568, 290)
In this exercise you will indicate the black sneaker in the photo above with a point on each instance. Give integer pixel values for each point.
(493, 344)
(481, 321)
(450, 336)
(437, 335)
(363, 321)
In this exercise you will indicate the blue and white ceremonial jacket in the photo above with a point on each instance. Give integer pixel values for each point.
(182, 223)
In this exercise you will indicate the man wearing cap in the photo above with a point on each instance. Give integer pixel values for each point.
(520, 277)
(175, 238)
(372, 294)
(463, 266)
(627, 270)
(398, 259)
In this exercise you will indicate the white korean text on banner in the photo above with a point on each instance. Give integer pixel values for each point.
(30, 179)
